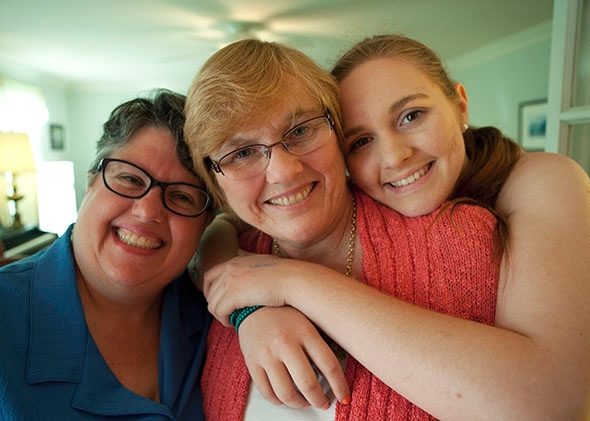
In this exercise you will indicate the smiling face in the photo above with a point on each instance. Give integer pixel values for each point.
(134, 247)
(403, 136)
(297, 199)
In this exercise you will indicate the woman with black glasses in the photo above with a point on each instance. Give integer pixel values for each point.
(106, 322)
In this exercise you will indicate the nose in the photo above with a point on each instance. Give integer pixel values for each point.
(393, 150)
(150, 207)
(283, 166)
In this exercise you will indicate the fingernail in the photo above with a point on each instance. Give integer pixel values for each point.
(345, 400)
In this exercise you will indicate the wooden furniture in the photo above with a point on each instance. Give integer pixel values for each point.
(22, 242)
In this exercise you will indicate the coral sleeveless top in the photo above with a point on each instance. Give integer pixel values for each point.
(445, 261)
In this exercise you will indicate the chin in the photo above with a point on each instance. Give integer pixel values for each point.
(418, 209)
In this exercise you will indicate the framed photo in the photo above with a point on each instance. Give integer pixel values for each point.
(532, 122)
(56, 137)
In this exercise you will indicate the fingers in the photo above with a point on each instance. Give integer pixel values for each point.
(306, 380)
(328, 364)
(272, 341)
(284, 388)
(261, 382)
(292, 377)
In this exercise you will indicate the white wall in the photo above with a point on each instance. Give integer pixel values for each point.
(500, 76)
(89, 110)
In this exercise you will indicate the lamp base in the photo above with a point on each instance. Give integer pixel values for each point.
(16, 221)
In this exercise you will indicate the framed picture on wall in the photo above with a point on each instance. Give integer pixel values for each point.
(56, 137)
(532, 122)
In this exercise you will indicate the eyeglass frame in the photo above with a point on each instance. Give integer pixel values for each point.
(153, 183)
(214, 164)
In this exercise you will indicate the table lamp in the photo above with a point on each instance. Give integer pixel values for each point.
(16, 157)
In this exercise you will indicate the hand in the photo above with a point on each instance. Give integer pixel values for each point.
(279, 346)
(249, 279)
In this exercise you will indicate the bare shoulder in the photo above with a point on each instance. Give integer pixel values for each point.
(546, 200)
(542, 177)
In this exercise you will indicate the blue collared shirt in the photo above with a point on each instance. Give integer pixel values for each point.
(50, 367)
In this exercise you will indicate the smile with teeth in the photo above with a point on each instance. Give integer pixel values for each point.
(411, 178)
(135, 240)
(293, 199)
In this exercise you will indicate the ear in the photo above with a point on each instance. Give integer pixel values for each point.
(462, 104)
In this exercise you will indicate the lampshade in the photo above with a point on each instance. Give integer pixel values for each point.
(16, 154)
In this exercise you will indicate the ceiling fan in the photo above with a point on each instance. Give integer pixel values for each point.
(303, 27)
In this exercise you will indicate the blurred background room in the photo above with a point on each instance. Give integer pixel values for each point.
(64, 64)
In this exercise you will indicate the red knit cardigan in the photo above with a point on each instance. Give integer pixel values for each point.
(447, 264)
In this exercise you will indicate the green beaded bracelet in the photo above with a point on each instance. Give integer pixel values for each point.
(240, 314)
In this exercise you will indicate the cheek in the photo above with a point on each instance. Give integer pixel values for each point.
(363, 170)
(356, 170)
(241, 195)
(186, 236)
(331, 162)
(99, 208)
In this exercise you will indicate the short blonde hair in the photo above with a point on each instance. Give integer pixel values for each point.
(246, 80)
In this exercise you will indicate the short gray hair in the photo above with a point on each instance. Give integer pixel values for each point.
(160, 108)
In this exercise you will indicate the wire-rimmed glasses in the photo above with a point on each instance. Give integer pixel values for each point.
(253, 159)
(128, 180)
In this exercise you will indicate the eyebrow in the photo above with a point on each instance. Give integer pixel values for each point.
(287, 123)
(392, 109)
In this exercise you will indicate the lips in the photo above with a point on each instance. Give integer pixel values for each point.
(293, 198)
(412, 178)
(135, 240)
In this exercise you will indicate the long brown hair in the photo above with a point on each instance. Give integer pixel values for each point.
(491, 155)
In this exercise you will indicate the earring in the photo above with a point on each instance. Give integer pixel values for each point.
(464, 127)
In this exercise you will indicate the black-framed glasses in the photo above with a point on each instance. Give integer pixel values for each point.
(251, 160)
(128, 180)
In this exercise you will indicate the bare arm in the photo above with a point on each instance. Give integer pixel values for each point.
(532, 365)
(218, 244)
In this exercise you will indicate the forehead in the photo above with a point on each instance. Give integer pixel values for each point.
(154, 150)
(385, 79)
(386, 71)
(287, 112)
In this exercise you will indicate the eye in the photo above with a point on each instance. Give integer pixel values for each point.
(243, 153)
(300, 131)
(411, 116)
(130, 180)
(181, 197)
(306, 131)
(246, 153)
(359, 143)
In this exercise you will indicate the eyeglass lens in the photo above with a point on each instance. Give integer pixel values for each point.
(253, 159)
(131, 181)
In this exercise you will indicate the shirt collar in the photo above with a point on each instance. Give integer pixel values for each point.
(62, 350)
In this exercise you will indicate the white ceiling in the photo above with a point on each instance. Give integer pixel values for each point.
(148, 43)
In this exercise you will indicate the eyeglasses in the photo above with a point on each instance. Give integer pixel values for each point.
(251, 160)
(129, 180)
